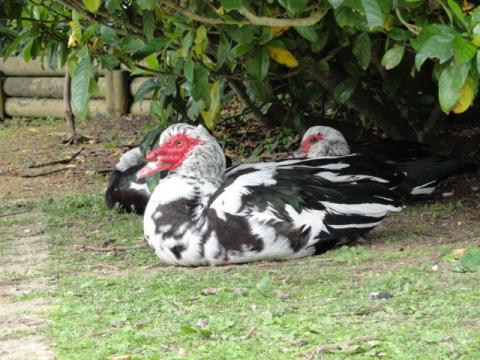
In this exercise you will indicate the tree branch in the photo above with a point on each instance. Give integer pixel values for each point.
(238, 88)
(415, 30)
(363, 102)
(268, 21)
(252, 19)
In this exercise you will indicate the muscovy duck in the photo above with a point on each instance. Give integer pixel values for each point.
(201, 215)
(424, 170)
(124, 189)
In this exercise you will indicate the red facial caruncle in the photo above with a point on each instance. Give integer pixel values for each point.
(169, 155)
(309, 141)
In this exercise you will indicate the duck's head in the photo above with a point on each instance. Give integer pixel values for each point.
(186, 149)
(321, 141)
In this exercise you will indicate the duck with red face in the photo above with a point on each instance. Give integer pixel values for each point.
(423, 169)
(201, 214)
(321, 141)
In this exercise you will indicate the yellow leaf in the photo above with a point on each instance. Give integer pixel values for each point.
(388, 24)
(278, 30)
(467, 94)
(220, 11)
(75, 35)
(33, 130)
(210, 117)
(282, 56)
(94, 43)
(467, 6)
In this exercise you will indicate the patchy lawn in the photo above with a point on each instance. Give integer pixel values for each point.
(111, 299)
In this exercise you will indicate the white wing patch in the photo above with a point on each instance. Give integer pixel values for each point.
(230, 200)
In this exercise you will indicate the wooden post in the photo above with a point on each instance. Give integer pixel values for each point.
(121, 92)
(109, 92)
(2, 99)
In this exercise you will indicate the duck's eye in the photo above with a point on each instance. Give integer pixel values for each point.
(313, 140)
(179, 143)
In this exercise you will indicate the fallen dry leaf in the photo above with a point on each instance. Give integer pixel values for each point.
(459, 252)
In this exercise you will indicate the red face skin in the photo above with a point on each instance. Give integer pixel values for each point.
(310, 141)
(169, 156)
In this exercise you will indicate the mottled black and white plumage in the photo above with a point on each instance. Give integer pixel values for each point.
(124, 190)
(200, 215)
(423, 169)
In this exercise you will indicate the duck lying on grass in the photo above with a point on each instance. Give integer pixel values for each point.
(423, 169)
(202, 215)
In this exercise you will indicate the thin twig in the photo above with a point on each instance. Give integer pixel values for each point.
(17, 212)
(55, 162)
(46, 173)
(415, 30)
(114, 249)
(310, 354)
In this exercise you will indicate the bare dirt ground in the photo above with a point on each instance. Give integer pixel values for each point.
(24, 252)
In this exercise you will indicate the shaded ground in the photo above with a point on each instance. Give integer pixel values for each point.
(77, 281)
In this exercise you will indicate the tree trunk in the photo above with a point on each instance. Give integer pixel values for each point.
(69, 116)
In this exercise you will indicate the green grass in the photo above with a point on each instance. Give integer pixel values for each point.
(258, 310)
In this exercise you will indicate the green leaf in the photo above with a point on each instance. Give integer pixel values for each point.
(258, 65)
(346, 16)
(109, 36)
(134, 45)
(147, 4)
(231, 4)
(223, 50)
(434, 42)
(336, 3)
(471, 260)
(109, 61)
(457, 11)
(146, 88)
(187, 43)
(374, 14)
(463, 50)
(148, 24)
(152, 62)
(152, 181)
(242, 35)
(308, 33)
(150, 140)
(452, 78)
(80, 86)
(7, 31)
(211, 116)
(152, 47)
(242, 49)
(398, 34)
(393, 57)
(200, 87)
(91, 5)
(362, 50)
(294, 6)
(344, 90)
(321, 42)
(188, 68)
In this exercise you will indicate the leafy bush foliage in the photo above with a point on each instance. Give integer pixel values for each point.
(394, 61)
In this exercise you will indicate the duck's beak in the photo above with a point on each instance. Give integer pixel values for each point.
(159, 160)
